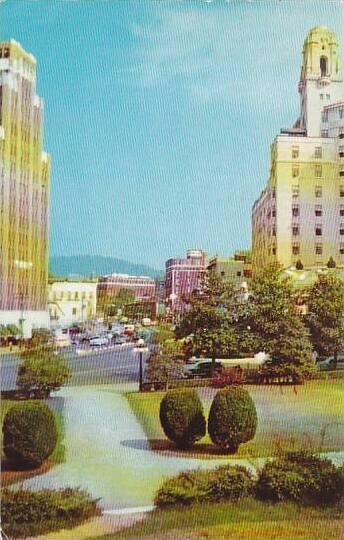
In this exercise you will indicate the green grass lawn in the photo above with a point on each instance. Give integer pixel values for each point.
(9, 476)
(309, 416)
(248, 519)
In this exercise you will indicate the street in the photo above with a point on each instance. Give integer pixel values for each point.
(120, 364)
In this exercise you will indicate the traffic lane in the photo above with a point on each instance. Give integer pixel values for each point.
(101, 367)
(107, 368)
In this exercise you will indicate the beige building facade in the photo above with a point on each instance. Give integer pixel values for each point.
(299, 216)
(72, 302)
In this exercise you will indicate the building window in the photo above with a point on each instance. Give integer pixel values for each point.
(296, 230)
(274, 251)
(76, 296)
(318, 230)
(321, 96)
(341, 133)
(318, 191)
(341, 248)
(295, 171)
(324, 116)
(318, 152)
(328, 97)
(324, 133)
(74, 311)
(295, 210)
(341, 210)
(295, 151)
(341, 112)
(318, 210)
(295, 191)
(341, 229)
(341, 170)
(273, 213)
(318, 171)
(341, 150)
(323, 66)
(318, 249)
(341, 191)
(296, 249)
(238, 273)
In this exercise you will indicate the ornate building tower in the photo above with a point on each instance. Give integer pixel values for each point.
(24, 193)
(321, 80)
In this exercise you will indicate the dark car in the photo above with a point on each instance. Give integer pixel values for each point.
(202, 368)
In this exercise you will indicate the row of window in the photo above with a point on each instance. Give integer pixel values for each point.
(68, 295)
(295, 152)
(318, 249)
(318, 192)
(318, 229)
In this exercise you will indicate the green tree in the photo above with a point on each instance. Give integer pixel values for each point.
(277, 327)
(326, 315)
(163, 368)
(120, 301)
(41, 372)
(210, 320)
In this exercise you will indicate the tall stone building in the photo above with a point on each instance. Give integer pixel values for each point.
(300, 214)
(24, 193)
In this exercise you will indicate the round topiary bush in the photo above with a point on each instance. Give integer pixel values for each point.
(181, 417)
(232, 418)
(29, 434)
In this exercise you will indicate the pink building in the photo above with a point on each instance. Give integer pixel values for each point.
(183, 277)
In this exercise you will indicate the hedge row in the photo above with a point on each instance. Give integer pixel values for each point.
(300, 477)
(29, 513)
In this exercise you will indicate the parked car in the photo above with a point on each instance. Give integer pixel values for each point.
(202, 368)
(328, 363)
(99, 341)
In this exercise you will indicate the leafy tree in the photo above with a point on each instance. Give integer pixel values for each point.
(30, 434)
(163, 368)
(277, 327)
(326, 315)
(232, 418)
(181, 417)
(210, 319)
(41, 372)
(120, 301)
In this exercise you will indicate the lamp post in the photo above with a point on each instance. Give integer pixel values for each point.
(140, 349)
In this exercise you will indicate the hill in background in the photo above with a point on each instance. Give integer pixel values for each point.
(93, 265)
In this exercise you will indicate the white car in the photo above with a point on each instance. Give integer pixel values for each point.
(99, 341)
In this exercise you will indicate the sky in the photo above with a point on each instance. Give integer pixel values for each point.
(159, 115)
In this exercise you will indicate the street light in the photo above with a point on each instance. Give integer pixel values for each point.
(140, 349)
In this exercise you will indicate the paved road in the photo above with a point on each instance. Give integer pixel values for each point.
(120, 364)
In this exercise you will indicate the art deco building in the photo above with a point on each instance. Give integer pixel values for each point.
(300, 214)
(24, 193)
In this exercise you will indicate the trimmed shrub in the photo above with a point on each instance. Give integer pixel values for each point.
(41, 372)
(29, 434)
(181, 417)
(30, 513)
(225, 483)
(301, 477)
(232, 418)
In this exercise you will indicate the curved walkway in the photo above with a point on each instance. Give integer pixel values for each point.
(99, 424)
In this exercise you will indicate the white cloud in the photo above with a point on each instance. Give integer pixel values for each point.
(221, 53)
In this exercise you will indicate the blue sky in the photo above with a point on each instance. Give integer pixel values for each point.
(159, 115)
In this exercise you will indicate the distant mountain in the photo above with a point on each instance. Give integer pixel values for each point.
(93, 265)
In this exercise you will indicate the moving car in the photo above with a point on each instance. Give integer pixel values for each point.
(328, 363)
